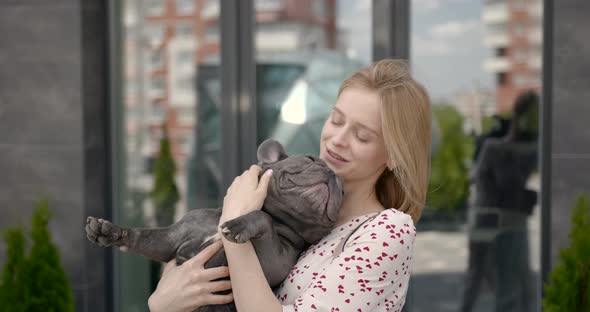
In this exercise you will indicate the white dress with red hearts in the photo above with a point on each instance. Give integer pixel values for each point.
(370, 274)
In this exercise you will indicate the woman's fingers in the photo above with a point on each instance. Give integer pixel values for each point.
(218, 299)
(250, 176)
(205, 254)
(264, 180)
(218, 286)
(255, 169)
(215, 273)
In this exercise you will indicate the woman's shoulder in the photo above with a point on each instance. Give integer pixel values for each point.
(389, 226)
(393, 217)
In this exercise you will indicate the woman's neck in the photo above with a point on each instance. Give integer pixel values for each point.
(359, 199)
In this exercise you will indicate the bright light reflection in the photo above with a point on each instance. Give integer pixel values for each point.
(294, 109)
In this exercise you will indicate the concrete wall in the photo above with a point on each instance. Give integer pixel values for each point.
(570, 104)
(52, 129)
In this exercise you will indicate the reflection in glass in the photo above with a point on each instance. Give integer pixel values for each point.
(302, 57)
(304, 50)
(164, 48)
(475, 59)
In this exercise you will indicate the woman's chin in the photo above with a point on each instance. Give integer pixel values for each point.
(331, 166)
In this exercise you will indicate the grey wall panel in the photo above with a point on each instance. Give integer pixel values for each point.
(571, 78)
(52, 129)
(570, 118)
(40, 33)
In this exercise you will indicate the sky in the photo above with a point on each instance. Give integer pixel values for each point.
(446, 49)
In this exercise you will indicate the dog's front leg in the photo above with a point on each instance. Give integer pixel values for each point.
(277, 247)
(252, 225)
(154, 243)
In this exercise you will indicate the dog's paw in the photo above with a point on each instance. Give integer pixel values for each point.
(104, 233)
(237, 230)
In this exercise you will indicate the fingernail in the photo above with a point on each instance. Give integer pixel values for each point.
(268, 172)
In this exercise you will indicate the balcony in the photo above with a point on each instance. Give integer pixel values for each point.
(495, 13)
(496, 40)
(496, 64)
(535, 61)
(282, 40)
(535, 10)
(535, 36)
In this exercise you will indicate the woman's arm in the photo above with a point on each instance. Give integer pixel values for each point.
(249, 286)
(189, 286)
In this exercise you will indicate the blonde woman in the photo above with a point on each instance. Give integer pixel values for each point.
(377, 138)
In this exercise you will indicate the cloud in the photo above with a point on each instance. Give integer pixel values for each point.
(444, 38)
(427, 5)
(430, 46)
(453, 28)
(424, 5)
(355, 24)
(363, 5)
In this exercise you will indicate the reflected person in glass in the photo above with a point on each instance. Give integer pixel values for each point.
(480, 265)
(377, 138)
(502, 203)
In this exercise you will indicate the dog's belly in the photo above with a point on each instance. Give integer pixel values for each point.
(194, 232)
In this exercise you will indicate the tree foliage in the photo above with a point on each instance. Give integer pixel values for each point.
(12, 289)
(37, 282)
(568, 288)
(449, 180)
(164, 194)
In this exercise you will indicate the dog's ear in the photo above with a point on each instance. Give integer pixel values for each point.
(271, 151)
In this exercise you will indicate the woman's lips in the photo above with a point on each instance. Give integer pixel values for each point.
(335, 158)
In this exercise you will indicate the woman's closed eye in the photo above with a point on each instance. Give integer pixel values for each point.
(362, 137)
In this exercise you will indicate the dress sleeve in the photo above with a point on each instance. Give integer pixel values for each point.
(371, 273)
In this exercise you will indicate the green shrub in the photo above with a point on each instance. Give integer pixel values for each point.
(12, 289)
(449, 179)
(165, 193)
(37, 282)
(568, 288)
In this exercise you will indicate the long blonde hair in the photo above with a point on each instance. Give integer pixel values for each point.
(405, 123)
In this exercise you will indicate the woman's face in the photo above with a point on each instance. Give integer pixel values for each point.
(352, 142)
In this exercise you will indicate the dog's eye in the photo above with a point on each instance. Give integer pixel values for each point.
(310, 158)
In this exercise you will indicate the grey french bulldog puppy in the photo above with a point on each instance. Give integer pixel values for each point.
(301, 206)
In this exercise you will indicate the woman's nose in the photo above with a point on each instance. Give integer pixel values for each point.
(339, 138)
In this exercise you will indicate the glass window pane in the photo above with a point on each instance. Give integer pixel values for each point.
(171, 80)
(185, 7)
(154, 7)
(184, 30)
(304, 50)
(477, 247)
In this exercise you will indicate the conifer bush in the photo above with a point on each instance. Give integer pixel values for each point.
(36, 282)
(164, 193)
(164, 196)
(12, 288)
(449, 180)
(568, 288)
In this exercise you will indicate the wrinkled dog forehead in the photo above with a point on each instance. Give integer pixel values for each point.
(294, 164)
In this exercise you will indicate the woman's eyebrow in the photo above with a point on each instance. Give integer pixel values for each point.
(357, 123)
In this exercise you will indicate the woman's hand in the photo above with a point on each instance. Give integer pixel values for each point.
(245, 194)
(189, 286)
